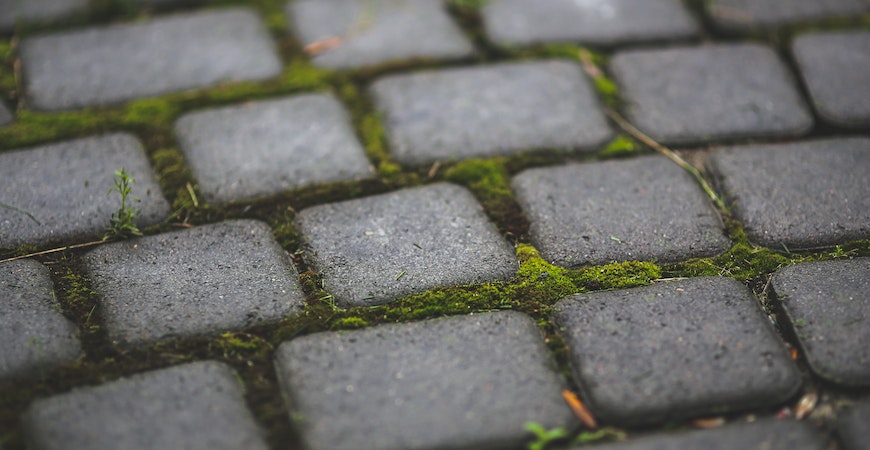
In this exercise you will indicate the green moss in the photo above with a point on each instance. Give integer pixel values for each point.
(150, 112)
(174, 178)
(350, 323)
(8, 84)
(240, 346)
(621, 145)
(34, 128)
(619, 275)
(489, 180)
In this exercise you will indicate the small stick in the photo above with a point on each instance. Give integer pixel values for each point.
(54, 250)
(579, 409)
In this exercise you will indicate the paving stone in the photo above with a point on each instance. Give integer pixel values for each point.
(490, 110)
(694, 95)
(6, 116)
(799, 195)
(836, 69)
(199, 281)
(676, 349)
(193, 406)
(746, 15)
(645, 209)
(377, 31)
(827, 302)
(852, 427)
(373, 250)
(461, 382)
(35, 11)
(34, 335)
(590, 22)
(64, 187)
(264, 148)
(106, 65)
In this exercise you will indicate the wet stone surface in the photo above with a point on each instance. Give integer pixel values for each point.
(675, 349)
(800, 195)
(644, 209)
(828, 304)
(460, 382)
(376, 249)
(852, 426)
(193, 406)
(486, 111)
(199, 281)
(264, 148)
(37, 11)
(746, 15)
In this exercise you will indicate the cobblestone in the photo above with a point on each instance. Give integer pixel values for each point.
(746, 15)
(36, 11)
(459, 382)
(6, 116)
(853, 427)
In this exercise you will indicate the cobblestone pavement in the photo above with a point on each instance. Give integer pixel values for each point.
(427, 224)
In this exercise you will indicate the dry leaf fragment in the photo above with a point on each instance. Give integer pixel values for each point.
(579, 409)
(806, 405)
(322, 45)
(708, 422)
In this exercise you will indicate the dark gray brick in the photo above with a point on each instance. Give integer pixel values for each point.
(702, 94)
(801, 195)
(264, 148)
(193, 406)
(590, 22)
(373, 250)
(490, 110)
(853, 429)
(34, 335)
(203, 280)
(65, 185)
(676, 349)
(827, 302)
(836, 69)
(35, 11)
(644, 209)
(377, 31)
(746, 15)
(107, 65)
(461, 382)
(6, 116)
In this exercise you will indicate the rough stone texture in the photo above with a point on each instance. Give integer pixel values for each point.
(589, 22)
(801, 195)
(644, 209)
(836, 69)
(193, 406)
(769, 434)
(693, 95)
(203, 280)
(6, 116)
(18, 11)
(264, 148)
(746, 15)
(106, 65)
(34, 335)
(461, 382)
(65, 185)
(675, 349)
(376, 249)
(490, 110)
(852, 427)
(377, 31)
(828, 303)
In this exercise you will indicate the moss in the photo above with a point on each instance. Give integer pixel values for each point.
(8, 83)
(176, 180)
(619, 275)
(34, 128)
(489, 180)
(150, 113)
(620, 146)
(241, 346)
(350, 323)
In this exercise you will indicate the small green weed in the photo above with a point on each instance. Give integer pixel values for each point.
(123, 221)
(543, 436)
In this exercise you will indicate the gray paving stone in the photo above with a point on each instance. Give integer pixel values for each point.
(746, 15)
(590, 22)
(802, 195)
(643, 209)
(377, 31)
(106, 65)
(835, 67)
(463, 382)
(34, 335)
(852, 427)
(35, 11)
(6, 116)
(694, 95)
(264, 148)
(373, 250)
(490, 110)
(828, 304)
(676, 349)
(64, 186)
(199, 281)
(193, 406)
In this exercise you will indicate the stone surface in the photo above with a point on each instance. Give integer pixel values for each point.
(36, 11)
(645, 209)
(835, 67)
(489, 110)
(199, 281)
(802, 195)
(693, 347)
(107, 65)
(64, 187)
(852, 427)
(691, 95)
(828, 304)
(589, 22)
(193, 406)
(6, 116)
(377, 31)
(459, 382)
(264, 148)
(376, 249)
(34, 335)
(746, 15)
